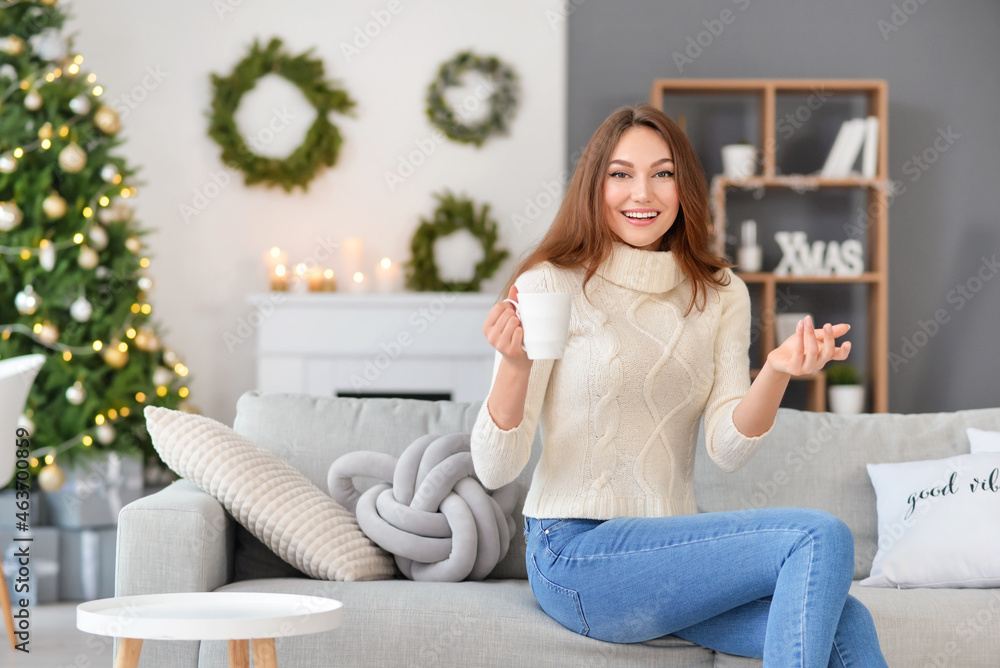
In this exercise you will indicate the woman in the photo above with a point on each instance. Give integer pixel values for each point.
(659, 336)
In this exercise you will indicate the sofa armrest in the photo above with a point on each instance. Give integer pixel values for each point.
(178, 539)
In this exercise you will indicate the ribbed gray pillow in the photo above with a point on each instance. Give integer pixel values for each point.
(276, 503)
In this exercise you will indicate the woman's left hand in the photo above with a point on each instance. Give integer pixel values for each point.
(808, 349)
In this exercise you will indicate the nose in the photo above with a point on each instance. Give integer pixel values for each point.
(640, 190)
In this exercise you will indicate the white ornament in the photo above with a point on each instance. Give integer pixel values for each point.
(47, 257)
(27, 301)
(10, 216)
(800, 258)
(80, 104)
(76, 394)
(8, 72)
(48, 45)
(72, 158)
(26, 423)
(8, 163)
(145, 283)
(162, 376)
(105, 433)
(49, 334)
(109, 173)
(33, 100)
(88, 257)
(98, 237)
(80, 310)
(102, 273)
(134, 244)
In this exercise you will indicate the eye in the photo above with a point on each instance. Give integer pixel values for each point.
(665, 173)
(618, 175)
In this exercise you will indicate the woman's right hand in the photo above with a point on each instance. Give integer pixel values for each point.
(503, 330)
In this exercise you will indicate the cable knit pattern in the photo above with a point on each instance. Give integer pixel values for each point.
(619, 413)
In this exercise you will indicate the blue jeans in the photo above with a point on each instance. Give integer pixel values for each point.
(770, 583)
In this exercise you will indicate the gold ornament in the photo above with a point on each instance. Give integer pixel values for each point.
(170, 357)
(114, 356)
(54, 206)
(8, 163)
(49, 333)
(146, 339)
(105, 434)
(14, 45)
(88, 258)
(107, 120)
(33, 100)
(10, 216)
(72, 158)
(45, 132)
(49, 3)
(188, 407)
(51, 478)
(134, 244)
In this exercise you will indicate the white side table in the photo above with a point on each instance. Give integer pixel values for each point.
(233, 616)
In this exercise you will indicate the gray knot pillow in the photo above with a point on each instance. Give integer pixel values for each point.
(429, 510)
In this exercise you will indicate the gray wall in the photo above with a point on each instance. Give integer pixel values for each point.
(941, 65)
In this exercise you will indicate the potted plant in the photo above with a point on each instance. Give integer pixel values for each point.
(847, 392)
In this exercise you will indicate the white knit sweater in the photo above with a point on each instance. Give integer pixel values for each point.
(619, 413)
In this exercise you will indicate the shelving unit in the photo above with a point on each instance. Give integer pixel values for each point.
(765, 93)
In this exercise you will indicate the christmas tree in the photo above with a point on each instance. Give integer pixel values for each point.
(73, 282)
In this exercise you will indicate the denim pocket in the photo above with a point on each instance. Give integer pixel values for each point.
(559, 603)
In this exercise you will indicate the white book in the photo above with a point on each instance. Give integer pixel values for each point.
(851, 147)
(835, 150)
(869, 155)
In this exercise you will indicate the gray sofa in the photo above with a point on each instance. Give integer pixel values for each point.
(181, 539)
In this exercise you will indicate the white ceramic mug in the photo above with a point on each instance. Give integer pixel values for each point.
(544, 318)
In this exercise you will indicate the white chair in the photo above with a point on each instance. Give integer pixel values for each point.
(16, 376)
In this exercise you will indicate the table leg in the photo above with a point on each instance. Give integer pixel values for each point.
(128, 652)
(239, 654)
(8, 614)
(263, 653)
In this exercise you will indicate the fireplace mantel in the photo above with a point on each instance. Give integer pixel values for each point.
(421, 343)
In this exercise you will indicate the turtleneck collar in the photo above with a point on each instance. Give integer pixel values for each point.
(641, 270)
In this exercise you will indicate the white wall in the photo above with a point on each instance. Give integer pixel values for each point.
(155, 59)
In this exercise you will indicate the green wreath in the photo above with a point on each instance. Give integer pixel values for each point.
(502, 100)
(453, 214)
(322, 142)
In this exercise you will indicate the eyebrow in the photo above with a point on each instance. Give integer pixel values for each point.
(629, 164)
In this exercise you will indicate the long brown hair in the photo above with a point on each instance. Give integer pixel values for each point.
(579, 235)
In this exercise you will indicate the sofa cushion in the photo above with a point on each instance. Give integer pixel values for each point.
(311, 432)
(937, 522)
(483, 624)
(818, 460)
(299, 522)
(981, 440)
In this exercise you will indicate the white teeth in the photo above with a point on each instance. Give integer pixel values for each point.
(650, 214)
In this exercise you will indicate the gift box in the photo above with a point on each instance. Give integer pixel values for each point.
(87, 563)
(95, 491)
(41, 583)
(37, 508)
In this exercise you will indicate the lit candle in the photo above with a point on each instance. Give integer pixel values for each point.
(315, 278)
(301, 280)
(386, 274)
(274, 257)
(279, 279)
(359, 284)
(329, 281)
(352, 256)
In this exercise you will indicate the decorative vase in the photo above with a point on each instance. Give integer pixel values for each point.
(847, 399)
(739, 161)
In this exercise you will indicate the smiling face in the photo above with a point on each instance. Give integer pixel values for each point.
(640, 193)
